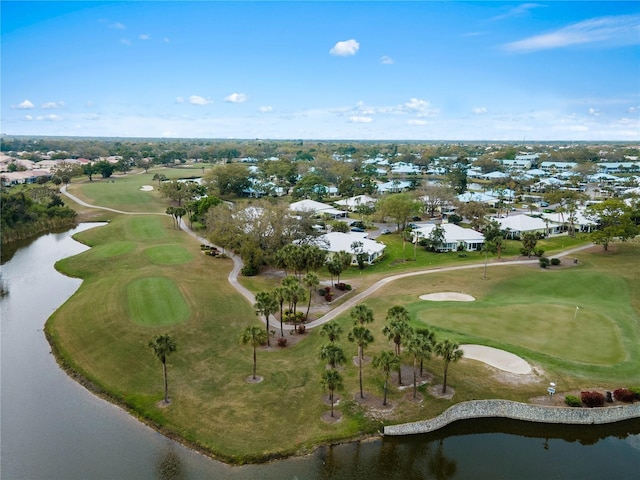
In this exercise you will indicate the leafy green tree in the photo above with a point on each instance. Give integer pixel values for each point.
(294, 293)
(159, 177)
(386, 362)
(104, 168)
(492, 233)
(254, 336)
(399, 207)
(228, 179)
(613, 219)
(89, 170)
(361, 314)
(311, 186)
(457, 177)
(361, 257)
(362, 337)
(163, 346)
(332, 331)
(332, 381)
(529, 242)
(266, 305)
(333, 355)
(450, 352)
(435, 239)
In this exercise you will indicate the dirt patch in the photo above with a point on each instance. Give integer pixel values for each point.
(373, 405)
(327, 418)
(250, 379)
(407, 377)
(365, 360)
(436, 391)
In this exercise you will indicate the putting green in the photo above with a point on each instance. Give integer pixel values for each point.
(156, 301)
(168, 255)
(588, 337)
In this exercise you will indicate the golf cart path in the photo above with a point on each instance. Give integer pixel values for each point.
(497, 358)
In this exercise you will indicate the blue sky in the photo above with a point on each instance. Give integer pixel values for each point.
(420, 70)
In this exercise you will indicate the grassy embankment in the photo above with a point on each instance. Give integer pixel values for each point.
(143, 278)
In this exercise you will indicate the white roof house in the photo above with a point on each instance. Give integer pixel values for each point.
(516, 225)
(317, 208)
(394, 186)
(559, 222)
(335, 242)
(477, 197)
(358, 200)
(455, 237)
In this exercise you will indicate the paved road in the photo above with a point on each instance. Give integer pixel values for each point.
(339, 310)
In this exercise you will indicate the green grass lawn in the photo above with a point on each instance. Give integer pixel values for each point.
(143, 278)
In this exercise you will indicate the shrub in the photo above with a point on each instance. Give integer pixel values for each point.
(347, 287)
(249, 270)
(340, 286)
(322, 292)
(572, 401)
(636, 392)
(282, 342)
(301, 329)
(544, 262)
(538, 252)
(555, 261)
(288, 316)
(328, 297)
(592, 399)
(623, 395)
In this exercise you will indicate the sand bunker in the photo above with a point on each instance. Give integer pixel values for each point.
(146, 188)
(496, 358)
(447, 297)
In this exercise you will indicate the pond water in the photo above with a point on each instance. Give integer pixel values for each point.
(52, 428)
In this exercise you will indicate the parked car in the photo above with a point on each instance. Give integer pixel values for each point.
(544, 204)
(412, 226)
(356, 229)
(416, 219)
(385, 231)
(357, 224)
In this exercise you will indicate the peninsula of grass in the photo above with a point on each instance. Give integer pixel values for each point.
(101, 335)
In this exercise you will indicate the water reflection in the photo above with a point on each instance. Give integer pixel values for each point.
(169, 465)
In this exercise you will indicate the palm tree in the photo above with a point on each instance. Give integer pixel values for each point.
(310, 280)
(332, 380)
(362, 337)
(344, 258)
(333, 354)
(450, 352)
(386, 362)
(280, 296)
(254, 336)
(429, 338)
(361, 314)
(332, 331)
(266, 305)
(397, 329)
(163, 346)
(420, 349)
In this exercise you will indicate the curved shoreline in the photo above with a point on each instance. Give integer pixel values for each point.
(517, 411)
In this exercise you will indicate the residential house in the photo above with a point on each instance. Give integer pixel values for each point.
(456, 238)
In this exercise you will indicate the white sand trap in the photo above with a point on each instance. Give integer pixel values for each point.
(146, 188)
(447, 297)
(497, 358)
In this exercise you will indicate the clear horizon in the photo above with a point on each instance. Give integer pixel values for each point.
(421, 71)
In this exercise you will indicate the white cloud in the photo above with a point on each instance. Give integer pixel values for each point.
(385, 60)
(346, 48)
(633, 109)
(416, 122)
(117, 26)
(265, 109)
(28, 117)
(236, 98)
(91, 116)
(52, 105)
(518, 11)
(49, 118)
(594, 112)
(125, 41)
(358, 119)
(26, 105)
(614, 30)
(479, 110)
(198, 100)
(144, 36)
(179, 100)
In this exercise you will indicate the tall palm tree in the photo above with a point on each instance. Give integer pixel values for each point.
(386, 362)
(254, 336)
(163, 346)
(361, 314)
(333, 354)
(420, 349)
(266, 305)
(310, 280)
(332, 380)
(450, 352)
(280, 296)
(429, 338)
(397, 329)
(332, 331)
(362, 337)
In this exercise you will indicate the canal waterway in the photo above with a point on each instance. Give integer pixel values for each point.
(52, 428)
